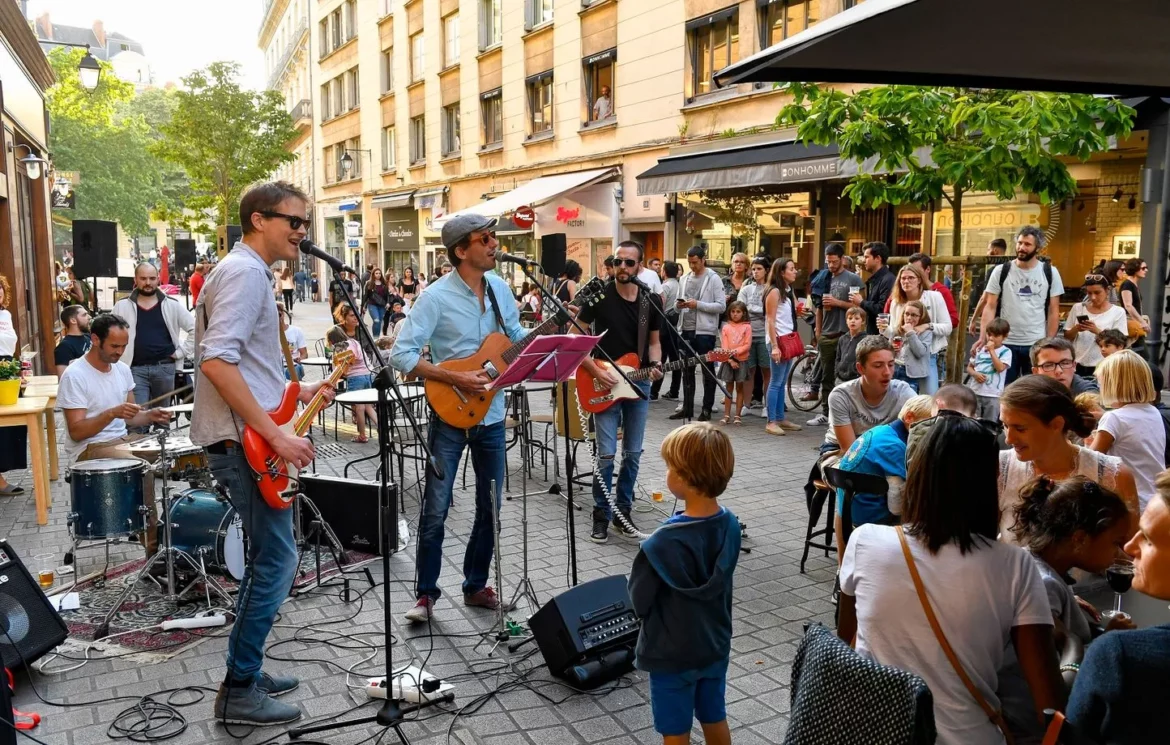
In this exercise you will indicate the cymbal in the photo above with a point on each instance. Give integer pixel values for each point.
(180, 408)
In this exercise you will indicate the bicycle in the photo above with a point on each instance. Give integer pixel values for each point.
(804, 375)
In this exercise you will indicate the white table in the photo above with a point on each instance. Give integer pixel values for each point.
(316, 361)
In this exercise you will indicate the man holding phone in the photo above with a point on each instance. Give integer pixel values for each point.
(700, 304)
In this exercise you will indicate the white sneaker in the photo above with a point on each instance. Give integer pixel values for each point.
(744, 410)
(678, 408)
(763, 412)
(819, 420)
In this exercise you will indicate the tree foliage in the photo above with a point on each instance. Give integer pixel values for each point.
(977, 139)
(224, 138)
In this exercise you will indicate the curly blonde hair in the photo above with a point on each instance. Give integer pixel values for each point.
(7, 292)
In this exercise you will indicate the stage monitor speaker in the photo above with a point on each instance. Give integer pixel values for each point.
(350, 506)
(31, 628)
(184, 254)
(95, 248)
(584, 631)
(228, 236)
(552, 254)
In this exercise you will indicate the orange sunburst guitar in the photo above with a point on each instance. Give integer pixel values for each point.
(596, 399)
(463, 410)
(271, 469)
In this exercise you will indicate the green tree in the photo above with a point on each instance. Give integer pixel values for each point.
(225, 138)
(978, 140)
(120, 178)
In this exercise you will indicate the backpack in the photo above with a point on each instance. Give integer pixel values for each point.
(1007, 270)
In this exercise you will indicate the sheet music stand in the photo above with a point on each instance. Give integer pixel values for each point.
(554, 359)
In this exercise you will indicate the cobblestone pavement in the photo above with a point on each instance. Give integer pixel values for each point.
(772, 602)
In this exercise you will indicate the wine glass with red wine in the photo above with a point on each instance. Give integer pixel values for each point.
(1120, 577)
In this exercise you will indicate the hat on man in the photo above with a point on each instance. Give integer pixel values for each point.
(461, 226)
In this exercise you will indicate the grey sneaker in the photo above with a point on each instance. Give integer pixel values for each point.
(819, 420)
(253, 707)
(277, 685)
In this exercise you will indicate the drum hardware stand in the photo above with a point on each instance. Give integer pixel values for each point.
(499, 630)
(167, 552)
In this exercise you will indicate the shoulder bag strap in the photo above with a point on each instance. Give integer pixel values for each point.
(993, 715)
(491, 296)
(791, 297)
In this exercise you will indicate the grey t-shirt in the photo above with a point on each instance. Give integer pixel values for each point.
(692, 289)
(847, 405)
(236, 321)
(752, 295)
(833, 319)
(1022, 302)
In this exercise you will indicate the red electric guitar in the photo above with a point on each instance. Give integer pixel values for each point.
(273, 480)
(595, 399)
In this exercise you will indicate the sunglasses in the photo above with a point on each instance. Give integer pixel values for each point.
(631, 263)
(294, 222)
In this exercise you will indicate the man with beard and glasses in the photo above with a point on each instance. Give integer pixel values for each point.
(156, 320)
(74, 337)
(1026, 292)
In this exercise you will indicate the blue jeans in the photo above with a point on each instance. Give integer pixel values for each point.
(630, 414)
(152, 381)
(701, 343)
(1021, 362)
(776, 387)
(377, 312)
(300, 372)
(271, 567)
(488, 454)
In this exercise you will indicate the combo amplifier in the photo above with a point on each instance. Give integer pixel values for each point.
(29, 627)
(587, 634)
(350, 506)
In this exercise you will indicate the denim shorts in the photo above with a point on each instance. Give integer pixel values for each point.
(359, 382)
(676, 699)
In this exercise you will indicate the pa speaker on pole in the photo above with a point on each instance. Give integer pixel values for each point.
(95, 248)
(552, 254)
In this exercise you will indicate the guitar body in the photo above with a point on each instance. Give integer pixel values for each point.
(461, 409)
(273, 481)
(596, 399)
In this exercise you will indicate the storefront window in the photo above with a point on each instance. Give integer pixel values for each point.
(984, 217)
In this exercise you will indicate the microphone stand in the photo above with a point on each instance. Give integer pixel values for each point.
(393, 712)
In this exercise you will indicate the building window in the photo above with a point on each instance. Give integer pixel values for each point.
(352, 89)
(338, 151)
(493, 119)
(418, 57)
(712, 43)
(491, 23)
(329, 164)
(450, 40)
(324, 43)
(325, 109)
(780, 19)
(354, 147)
(599, 85)
(384, 8)
(451, 145)
(337, 101)
(418, 140)
(387, 70)
(540, 103)
(335, 29)
(350, 19)
(389, 145)
(537, 12)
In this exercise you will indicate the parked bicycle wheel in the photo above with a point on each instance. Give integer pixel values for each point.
(803, 376)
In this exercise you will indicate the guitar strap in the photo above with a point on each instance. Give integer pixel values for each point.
(491, 296)
(643, 326)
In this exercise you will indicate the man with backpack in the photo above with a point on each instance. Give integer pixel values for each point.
(1026, 292)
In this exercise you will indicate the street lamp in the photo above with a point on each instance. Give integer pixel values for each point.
(89, 71)
(32, 161)
(346, 161)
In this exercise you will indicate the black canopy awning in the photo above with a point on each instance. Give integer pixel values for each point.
(1075, 46)
(729, 168)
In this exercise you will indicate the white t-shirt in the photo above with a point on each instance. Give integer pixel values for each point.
(1139, 439)
(847, 405)
(993, 386)
(1023, 303)
(650, 278)
(85, 387)
(296, 341)
(1087, 351)
(978, 598)
(7, 335)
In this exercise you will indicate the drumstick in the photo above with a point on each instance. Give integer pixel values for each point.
(165, 396)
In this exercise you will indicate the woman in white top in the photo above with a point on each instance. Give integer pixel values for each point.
(985, 594)
(779, 319)
(1037, 415)
(13, 440)
(1132, 428)
(912, 284)
(1089, 318)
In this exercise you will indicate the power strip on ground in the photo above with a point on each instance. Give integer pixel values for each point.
(408, 687)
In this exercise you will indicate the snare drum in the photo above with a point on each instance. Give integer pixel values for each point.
(189, 458)
(204, 523)
(107, 497)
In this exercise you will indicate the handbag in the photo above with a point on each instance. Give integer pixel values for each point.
(994, 716)
(1134, 328)
(790, 344)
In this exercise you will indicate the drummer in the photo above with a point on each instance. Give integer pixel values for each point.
(96, 394)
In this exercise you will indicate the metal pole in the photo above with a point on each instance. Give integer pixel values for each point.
(1158, 279)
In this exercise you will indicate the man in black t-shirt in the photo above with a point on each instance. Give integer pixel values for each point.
(626, 317)
(74, 338)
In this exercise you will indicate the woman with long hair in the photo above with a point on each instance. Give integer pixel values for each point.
(377, 299)
(1115, 273)
(409, 285)
(1038, 413)
(912, 284)
(986, 595)
(1131, 300)
(13, 440)
(358, 376)
(1090, 317)
(1131, 428)
(779, 319)
(566, 285)
(288, 287)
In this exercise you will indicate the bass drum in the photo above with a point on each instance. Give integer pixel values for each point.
(206, 524)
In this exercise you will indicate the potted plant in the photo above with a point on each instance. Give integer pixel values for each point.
(9, 382)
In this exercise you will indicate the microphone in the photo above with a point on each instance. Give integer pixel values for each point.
(639, 284)
(334, 263)
(513, 259)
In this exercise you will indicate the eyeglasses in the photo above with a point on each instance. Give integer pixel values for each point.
(631, 263)
(294, 222)
(1063, 365)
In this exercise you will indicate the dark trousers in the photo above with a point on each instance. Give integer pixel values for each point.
(1021, 362)
(701, 343)
(669, 340)
(828, 350)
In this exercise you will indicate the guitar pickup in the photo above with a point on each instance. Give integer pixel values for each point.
(491, 370)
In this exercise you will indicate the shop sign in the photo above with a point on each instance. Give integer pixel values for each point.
(353, 229)
(583, 213)
(399, 229)
(1007, 218)
(524, 217)
(809, 170)
(353, 242)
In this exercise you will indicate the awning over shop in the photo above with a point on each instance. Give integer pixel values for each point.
(425, 199)
(536, 192)
(729, 168)
(1052, 45)
(349, 205)
(392, 200)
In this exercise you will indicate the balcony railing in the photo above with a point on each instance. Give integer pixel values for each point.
(295, 38)
(303, 110)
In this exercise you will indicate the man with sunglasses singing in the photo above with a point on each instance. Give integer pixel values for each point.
(453, 317)
(239, 378)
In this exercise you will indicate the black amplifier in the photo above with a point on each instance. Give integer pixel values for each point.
(584, 623)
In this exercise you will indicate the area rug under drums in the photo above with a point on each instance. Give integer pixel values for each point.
(147, 605)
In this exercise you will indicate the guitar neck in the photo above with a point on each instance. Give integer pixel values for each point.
(548, 327)
(305, 420)
(644, 372)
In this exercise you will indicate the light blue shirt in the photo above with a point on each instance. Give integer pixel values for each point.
(465, 324)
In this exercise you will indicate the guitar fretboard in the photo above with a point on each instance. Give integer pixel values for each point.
(644, 372)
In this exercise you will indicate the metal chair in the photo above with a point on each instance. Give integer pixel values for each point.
(852, 483)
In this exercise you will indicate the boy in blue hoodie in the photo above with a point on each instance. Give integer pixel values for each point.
(681, 589)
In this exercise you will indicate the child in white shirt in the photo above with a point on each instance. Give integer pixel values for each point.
(988, 369)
